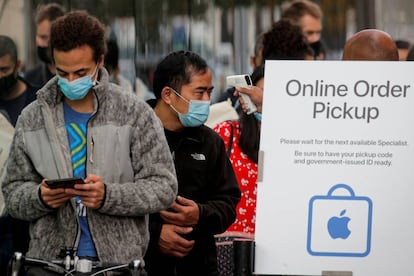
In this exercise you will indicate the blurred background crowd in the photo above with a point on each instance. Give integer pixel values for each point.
(222, 31)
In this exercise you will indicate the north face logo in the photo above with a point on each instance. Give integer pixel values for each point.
(198, 156)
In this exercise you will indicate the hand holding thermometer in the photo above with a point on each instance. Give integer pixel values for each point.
(243, 81)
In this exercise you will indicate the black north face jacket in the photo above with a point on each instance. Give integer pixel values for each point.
(206, 176)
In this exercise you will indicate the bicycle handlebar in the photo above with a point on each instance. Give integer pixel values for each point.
(135, 267)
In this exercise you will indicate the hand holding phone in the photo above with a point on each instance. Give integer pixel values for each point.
(67, 183)
(243, 81)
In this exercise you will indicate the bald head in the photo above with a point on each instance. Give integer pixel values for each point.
(370, 44)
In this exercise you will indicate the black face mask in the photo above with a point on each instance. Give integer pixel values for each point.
(7, 83)
(316, 47)
(44, 54)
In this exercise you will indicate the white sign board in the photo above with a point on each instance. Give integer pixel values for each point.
(338, 180)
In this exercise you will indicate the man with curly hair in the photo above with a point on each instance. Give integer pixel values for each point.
(285, 41)
(83, 126)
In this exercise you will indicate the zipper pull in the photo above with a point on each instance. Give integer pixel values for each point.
(91, 155)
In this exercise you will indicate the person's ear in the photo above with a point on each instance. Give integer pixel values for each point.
(166, 94)
(100, 61)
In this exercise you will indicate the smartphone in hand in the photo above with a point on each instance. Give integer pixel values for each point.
(64, 182)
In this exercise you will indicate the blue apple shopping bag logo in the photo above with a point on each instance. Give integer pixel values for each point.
(339, 225)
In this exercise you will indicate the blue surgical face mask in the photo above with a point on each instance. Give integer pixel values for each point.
(76, 89)
(197, 114)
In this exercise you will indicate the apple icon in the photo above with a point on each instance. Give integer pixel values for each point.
(338, 226)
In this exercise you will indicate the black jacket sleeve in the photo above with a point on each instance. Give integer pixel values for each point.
(219, 211)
